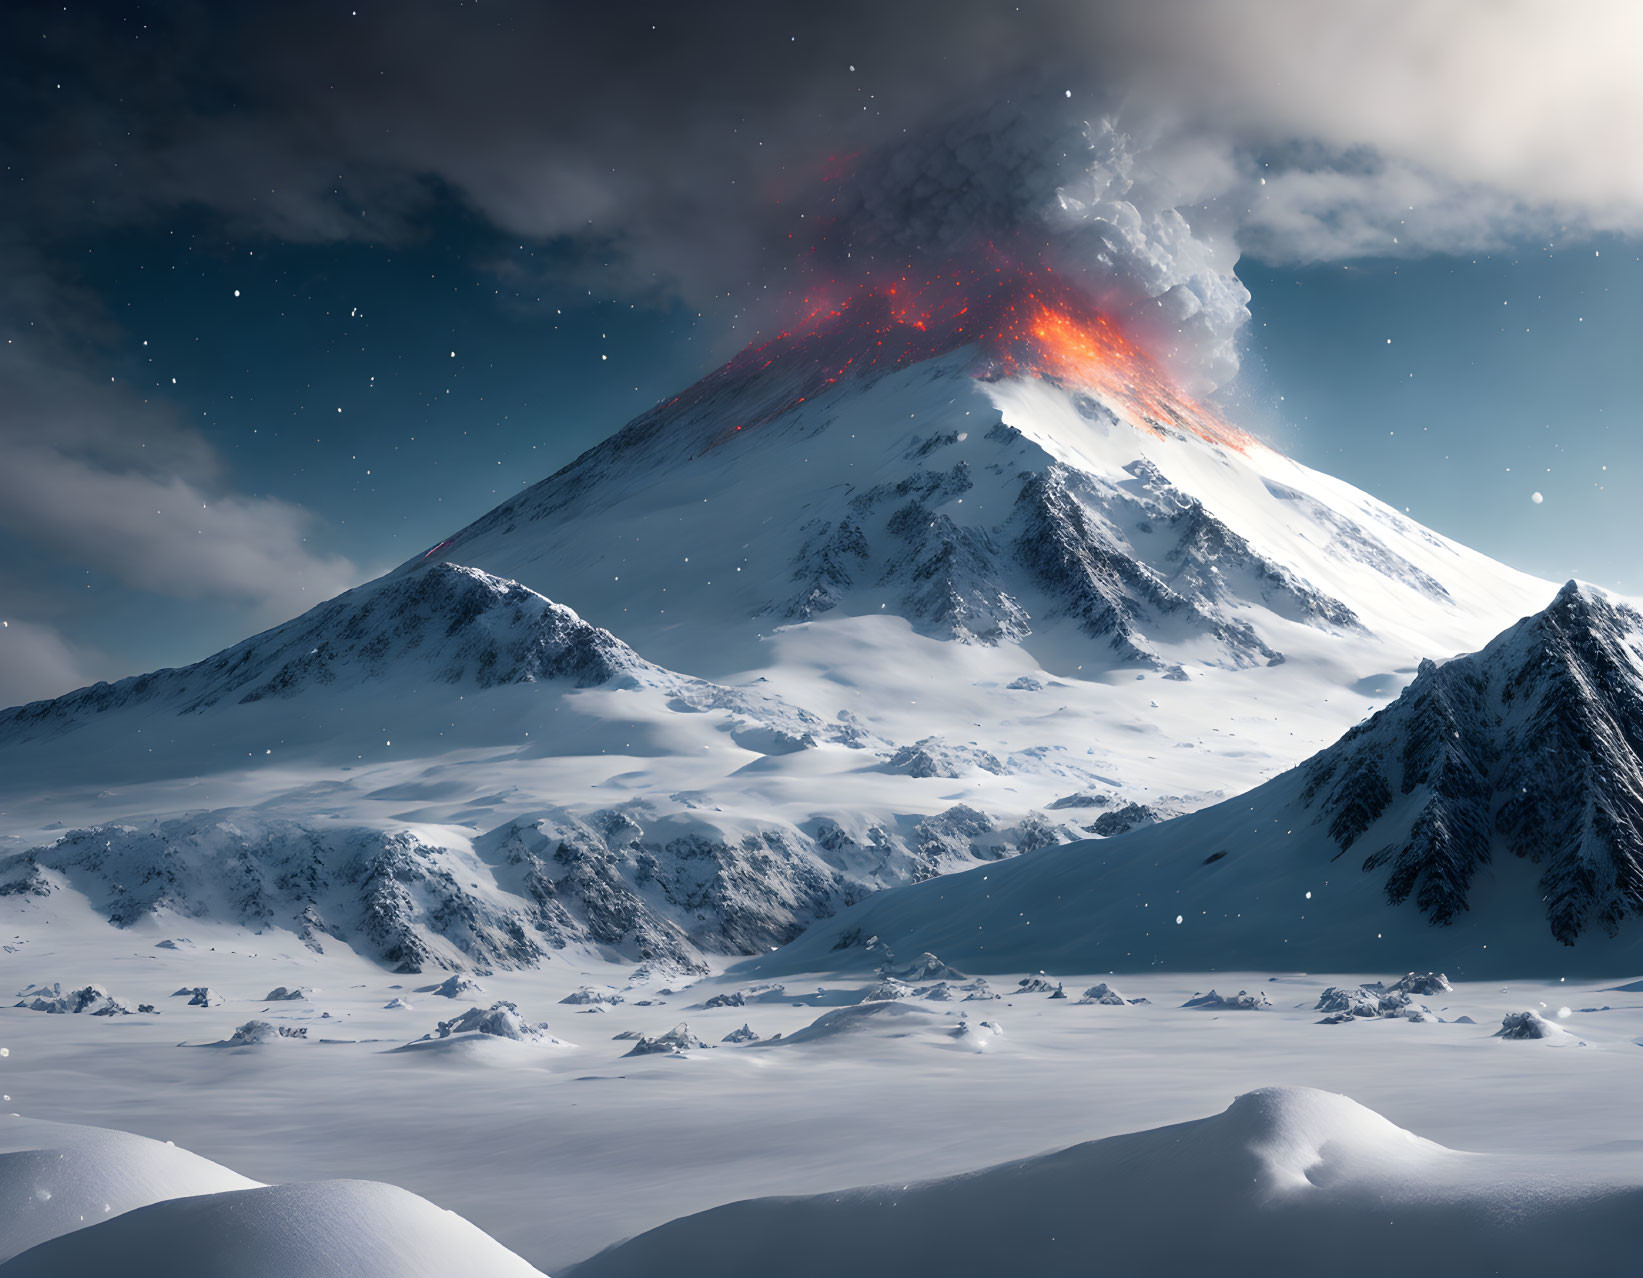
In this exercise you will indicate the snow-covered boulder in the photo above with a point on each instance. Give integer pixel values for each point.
(1529, 1024)
(499, 1020)
(933, 757)
(255, 1033)
(93, 1000)
(283, 994)
(885, 990)
(927, 967)
(1242, 1001)
(199, 996)
(677, 1040)
(1036, 985)
(396, 1004)
(588, 996)
(733, 999)
(454, 986)
(743, 1035)
(1344, 1003)
(1425, 984)
(1105, 995)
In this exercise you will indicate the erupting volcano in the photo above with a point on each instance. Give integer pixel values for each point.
(1020, 320)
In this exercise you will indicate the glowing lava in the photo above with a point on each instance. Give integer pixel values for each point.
(1021, 322)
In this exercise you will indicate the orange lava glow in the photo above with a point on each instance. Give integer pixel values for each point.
(1021, 322)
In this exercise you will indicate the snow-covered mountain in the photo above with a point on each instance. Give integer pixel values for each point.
(1485, 822)
(862, 607)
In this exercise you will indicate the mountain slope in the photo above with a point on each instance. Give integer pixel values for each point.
(1487, 821)
(907, 600)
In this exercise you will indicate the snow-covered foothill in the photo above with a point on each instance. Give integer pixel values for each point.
(743, 1035)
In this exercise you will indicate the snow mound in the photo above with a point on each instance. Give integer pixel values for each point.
(396, 1005)
(1242, 1001)
(57, 1177)
(677, 1040)
(979, 1035)
(1285, 1181)
(896, 1016)
(324, 1229)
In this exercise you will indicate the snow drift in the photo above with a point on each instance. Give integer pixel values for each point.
(83, 1200)
(1285, 1181)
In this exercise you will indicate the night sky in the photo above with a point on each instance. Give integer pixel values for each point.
(293, 292)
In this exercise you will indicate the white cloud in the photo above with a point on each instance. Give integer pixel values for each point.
(37, 661)
(96, 475)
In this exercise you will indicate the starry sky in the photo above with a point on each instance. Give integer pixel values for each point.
(291, 293)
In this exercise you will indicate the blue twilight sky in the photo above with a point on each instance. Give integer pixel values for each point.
(343, 278)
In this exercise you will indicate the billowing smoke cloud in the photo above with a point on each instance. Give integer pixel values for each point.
(1034, 180)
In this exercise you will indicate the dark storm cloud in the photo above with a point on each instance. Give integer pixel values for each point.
(680, 144)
